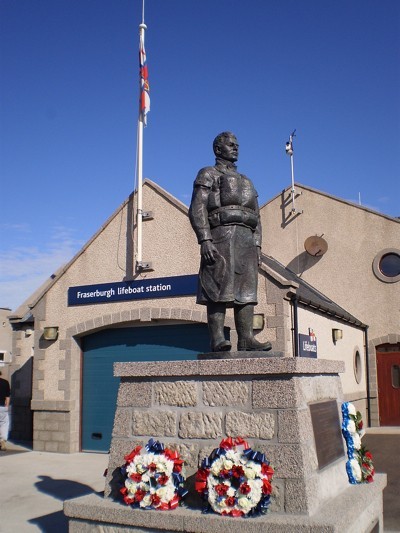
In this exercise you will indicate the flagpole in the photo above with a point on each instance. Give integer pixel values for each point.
(139, 257)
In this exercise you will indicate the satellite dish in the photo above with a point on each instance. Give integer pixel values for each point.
(316, 246)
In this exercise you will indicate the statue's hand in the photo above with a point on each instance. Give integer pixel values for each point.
(207, 251)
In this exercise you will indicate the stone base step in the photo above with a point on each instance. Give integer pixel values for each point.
(358, 509)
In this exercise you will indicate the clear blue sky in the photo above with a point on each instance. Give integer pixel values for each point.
(260, 68)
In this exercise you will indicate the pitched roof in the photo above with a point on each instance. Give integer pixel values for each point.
(308, 295)
(23, 311)
(305, 293)
(336, 198)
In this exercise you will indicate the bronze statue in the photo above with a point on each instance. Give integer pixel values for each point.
(225, 217)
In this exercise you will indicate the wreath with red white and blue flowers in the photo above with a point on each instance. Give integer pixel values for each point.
(235, 480)
(154, 477)
(359, 467)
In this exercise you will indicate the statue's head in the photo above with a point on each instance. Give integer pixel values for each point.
(226, 146)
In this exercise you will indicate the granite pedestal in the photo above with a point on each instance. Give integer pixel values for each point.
(192, 405)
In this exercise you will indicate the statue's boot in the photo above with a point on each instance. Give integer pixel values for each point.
(244, 327)
(216, 321)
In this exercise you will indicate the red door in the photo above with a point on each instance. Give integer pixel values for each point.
(388, 363)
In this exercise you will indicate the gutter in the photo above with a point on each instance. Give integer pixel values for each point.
(295, 326)
(367, 372)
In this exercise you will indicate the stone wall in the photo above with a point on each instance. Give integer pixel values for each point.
(192, 405)
(21, 385)
(56, 426)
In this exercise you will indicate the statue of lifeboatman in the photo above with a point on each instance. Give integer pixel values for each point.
(225, 216)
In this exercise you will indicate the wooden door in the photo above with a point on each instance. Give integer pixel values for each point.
(389, 387)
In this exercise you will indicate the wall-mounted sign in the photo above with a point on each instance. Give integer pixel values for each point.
(133, 290)
(308, 344)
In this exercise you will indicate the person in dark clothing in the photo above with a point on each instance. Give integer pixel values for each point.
(225, 216)
(5, 393)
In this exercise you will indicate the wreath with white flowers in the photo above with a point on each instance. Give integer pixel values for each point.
(154, 478)
(359, 467)
(235, 480)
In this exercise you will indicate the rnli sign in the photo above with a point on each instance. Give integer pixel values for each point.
(133, 290)
(308, 345)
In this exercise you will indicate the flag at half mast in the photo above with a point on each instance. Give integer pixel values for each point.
(144, 104)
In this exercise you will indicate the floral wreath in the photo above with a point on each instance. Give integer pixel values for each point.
(359, 467)
(235, 480)
(153, 480)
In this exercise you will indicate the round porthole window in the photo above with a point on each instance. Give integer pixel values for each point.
(357, 363)
(389, 265)
(386, 265)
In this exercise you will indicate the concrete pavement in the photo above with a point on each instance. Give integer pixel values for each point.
(33, 485)
(384, 444)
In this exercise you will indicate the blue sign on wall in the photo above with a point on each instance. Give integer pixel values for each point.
(133, 290)
(307, 345)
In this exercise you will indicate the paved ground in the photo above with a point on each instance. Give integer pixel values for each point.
(384, 444)
(33, 485)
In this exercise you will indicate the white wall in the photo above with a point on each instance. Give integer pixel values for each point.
(343, 350)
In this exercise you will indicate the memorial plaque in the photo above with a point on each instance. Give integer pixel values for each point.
(327, 432)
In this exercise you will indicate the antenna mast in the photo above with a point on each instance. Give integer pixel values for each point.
(289, 151)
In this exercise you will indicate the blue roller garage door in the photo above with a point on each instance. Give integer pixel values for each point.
(102, 349)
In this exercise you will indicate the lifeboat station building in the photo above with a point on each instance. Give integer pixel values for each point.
(338, 302)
